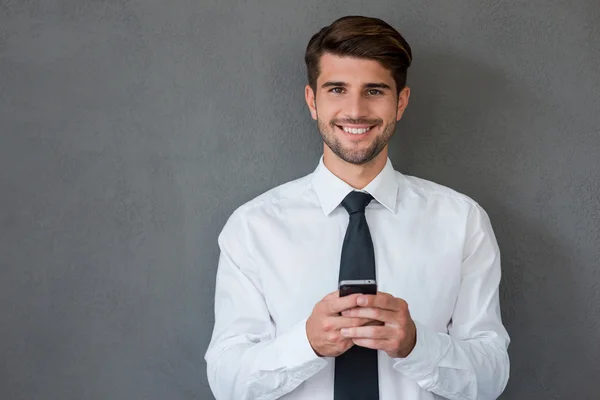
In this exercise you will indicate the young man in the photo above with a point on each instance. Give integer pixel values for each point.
(432, 330)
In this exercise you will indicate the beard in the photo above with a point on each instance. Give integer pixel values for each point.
(351, 155)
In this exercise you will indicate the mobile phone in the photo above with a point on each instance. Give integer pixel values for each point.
(366, 286)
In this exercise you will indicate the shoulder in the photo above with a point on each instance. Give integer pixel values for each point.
(440, 199)
(269, 203)
(432, 191)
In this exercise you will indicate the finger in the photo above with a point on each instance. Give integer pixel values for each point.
(382, 300)
(340, 304)
(367, 332)
(378, 314)
(373, 322)
(343, 322)
(376, 344)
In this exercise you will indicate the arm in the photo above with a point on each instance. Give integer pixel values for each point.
(471, 362)
(245, 358)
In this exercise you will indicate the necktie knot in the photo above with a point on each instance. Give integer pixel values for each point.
(356, 202)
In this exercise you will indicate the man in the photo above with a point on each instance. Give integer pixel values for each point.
(433, 329)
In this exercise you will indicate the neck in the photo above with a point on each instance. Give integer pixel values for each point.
(357, 176)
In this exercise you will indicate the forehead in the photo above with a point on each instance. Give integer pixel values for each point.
(352, 70)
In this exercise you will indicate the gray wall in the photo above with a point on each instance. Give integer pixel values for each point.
(130, 131)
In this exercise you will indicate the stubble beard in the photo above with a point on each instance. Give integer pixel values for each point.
(351, 155)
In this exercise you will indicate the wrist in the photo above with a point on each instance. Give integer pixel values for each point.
(310, 342)
(406, 350)
(411, 345)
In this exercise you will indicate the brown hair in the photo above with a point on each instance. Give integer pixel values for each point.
(360, 37)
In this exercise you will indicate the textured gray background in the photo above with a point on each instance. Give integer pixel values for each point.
(130, 130)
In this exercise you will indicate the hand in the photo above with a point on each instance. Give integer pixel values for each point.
(398, 334)
(325, 323)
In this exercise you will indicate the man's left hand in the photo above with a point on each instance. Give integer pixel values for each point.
(397, 335)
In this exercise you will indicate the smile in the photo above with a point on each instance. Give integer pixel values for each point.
(355, 130)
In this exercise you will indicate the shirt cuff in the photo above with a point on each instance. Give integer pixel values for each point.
(428, 351)
(294, 349)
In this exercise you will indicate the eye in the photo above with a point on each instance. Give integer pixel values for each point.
(374, 92)
(337, 90)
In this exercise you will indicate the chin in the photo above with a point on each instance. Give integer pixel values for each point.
(357, 158)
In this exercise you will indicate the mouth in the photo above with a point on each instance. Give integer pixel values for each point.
(355, 131)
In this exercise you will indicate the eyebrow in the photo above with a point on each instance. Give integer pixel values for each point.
(379, 85)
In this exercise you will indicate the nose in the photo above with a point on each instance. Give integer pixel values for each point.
(356, 107)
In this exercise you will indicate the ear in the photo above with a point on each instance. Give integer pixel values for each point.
(402, 102)
(309, 96)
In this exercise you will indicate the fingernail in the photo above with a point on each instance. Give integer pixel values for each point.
(345, 332)
(361, 301)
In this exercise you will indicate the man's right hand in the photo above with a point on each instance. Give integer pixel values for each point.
(324, 324)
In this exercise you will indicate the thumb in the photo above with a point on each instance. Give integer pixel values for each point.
(332, 295)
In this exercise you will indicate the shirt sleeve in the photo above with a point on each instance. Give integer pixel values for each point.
(248, 358)
(471, 361)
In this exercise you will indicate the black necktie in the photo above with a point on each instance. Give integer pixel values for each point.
(356, 376)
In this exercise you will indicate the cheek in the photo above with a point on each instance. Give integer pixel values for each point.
(383, 109)
(325, 112)
(388, 111)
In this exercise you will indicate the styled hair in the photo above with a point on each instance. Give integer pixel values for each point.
(360, 37)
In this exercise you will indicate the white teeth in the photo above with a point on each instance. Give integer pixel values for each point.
(356, 131)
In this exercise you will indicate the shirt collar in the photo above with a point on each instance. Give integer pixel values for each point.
(331, 190)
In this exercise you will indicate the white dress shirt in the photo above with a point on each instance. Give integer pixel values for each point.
(280, 255)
